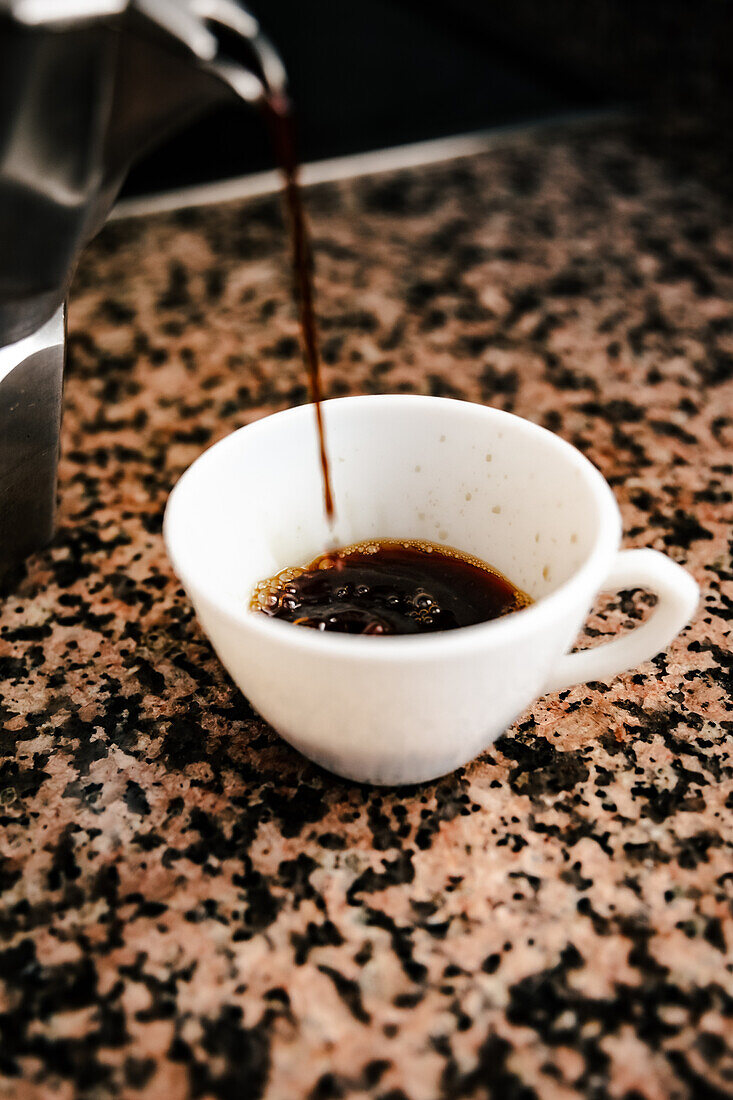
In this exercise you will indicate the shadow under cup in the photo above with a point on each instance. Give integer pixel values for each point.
(396, 709)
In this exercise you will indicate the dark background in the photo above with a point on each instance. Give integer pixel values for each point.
(378, 73)
(375, 74)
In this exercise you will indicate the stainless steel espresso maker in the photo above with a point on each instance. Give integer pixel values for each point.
(85, 86)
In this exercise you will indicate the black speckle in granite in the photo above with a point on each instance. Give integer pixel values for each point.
(332, 841)
(491, 1073)
(541, 768)
(243, 1051)
(395, 872)
(315, 935)
(135, 799)
(349, 992)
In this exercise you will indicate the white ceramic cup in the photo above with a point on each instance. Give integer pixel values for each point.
(407, 709)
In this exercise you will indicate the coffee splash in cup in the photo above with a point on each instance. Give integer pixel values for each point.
(389, 586)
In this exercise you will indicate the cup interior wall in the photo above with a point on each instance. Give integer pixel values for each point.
(492, 487)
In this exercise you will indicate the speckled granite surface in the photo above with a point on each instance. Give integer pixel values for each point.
(189, 909)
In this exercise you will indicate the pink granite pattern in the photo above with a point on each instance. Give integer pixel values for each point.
(190, 909)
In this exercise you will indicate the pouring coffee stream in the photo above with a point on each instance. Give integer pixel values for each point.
(268, 89)
(279, 115)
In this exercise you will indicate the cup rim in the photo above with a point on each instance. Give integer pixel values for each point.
(591, 572)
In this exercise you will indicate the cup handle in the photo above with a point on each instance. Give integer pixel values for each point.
(677, 594)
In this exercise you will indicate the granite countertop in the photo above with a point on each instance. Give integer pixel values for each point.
(191, 909)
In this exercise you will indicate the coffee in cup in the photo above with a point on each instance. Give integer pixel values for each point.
(389, 586)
